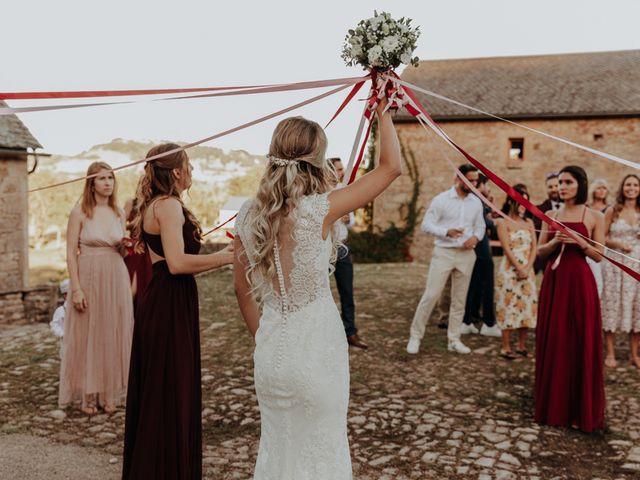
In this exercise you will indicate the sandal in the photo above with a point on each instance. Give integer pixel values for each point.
(109, 409)
(610, 362)
(89, 410)
(635, 362)
(523, 353)
(508, 355)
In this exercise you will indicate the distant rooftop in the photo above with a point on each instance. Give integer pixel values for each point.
(599, 84)
(14, 133)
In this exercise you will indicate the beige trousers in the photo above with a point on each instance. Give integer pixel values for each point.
(446, 262)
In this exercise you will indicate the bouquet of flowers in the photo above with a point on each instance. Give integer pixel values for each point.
(381, 43)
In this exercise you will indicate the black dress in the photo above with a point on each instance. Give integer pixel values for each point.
(163, 427)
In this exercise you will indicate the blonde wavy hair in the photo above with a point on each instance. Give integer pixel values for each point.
(302, 144)
(158, 181)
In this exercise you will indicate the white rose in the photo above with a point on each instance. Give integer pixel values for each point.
(385, 29)
(375, 22)
(356, 51)
(374, 55)
(405, 58)
(355, 41)
(390, 44)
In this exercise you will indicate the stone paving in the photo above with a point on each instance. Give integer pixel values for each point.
(434, 415)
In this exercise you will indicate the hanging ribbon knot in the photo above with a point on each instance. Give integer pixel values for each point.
(386, 86)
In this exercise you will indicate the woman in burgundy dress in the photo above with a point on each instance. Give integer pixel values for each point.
(163, 428)
(569, 385)
(138, 261)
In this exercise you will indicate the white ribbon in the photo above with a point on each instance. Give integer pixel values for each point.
(600, 153)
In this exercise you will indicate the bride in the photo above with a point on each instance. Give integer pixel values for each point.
(283, 248)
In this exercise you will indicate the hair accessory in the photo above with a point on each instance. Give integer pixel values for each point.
(280, 162)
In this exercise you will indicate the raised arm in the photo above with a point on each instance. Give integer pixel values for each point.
(246, 301)
(369, 186)
(73, 239)
(171, 219)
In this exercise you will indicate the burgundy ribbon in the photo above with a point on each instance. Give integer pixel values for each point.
(504, 186)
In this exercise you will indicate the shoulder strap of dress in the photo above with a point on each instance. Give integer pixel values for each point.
(584, 213)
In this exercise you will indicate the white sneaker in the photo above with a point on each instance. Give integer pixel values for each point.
(466, 329)
(491, 331)
(413, 346)
(458, 347)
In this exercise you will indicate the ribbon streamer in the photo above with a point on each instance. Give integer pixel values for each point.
(599, 153)
(110, 93)
(218, 227)
(228, 92)
(417, 109)
(207, 139)
(499, 211)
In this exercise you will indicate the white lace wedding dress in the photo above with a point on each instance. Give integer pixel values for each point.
(301, 355)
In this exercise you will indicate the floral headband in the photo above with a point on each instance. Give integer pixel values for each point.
(283, 162)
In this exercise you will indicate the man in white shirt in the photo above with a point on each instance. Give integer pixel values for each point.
(456, 219)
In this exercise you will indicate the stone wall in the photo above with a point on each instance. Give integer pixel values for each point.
(14, 266)
(33, 305)
(489, 142)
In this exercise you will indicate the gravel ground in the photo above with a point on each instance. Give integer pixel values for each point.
(433, 415)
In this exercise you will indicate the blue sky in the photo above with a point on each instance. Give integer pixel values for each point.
(69, 45)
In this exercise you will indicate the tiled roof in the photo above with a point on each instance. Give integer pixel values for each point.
(564, 85)
(14, 134)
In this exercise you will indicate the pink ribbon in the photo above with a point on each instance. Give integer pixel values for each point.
(208, 139)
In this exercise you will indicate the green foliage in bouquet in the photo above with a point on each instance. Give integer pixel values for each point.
(381, 43)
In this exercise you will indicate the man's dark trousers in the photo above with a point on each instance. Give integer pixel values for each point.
(344, 282)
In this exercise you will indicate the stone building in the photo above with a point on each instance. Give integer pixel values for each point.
(589, 98)
(18, 302)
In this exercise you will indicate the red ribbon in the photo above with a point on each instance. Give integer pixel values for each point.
(505, 187)
(111, 93)
(352, 93)
(218, 227)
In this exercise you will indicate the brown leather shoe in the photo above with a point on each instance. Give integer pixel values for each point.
(355, 341)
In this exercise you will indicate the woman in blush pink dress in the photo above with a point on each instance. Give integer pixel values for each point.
(99, 328)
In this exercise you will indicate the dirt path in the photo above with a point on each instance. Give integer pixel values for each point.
(27, 457)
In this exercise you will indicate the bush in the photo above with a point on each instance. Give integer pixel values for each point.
(392, 244)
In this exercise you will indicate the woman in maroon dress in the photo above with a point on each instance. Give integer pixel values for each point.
(138, 261)
(569, 386)
(163, 427)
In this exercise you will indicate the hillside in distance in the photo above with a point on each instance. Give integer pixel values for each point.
(217, 175)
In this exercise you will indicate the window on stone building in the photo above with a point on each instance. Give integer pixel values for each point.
(516, 153)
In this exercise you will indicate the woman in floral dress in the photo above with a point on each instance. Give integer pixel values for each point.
(516, 303)
(621, 293)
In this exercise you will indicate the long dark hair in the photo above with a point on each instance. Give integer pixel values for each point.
(510, 203)
(583, 182)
